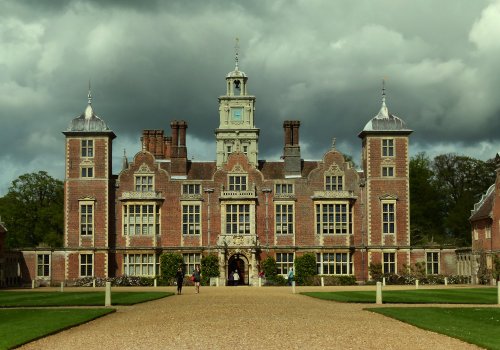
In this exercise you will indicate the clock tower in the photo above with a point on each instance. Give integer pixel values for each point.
(236, 131)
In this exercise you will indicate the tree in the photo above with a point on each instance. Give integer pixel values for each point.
(426, 208)
(269, 267)
(33, 211)
(305, 268)
(209, 267)
(169, 263)
(460, 182)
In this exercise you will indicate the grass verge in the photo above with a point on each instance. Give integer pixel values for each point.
(21, 326)
(420, 296)
(40, 299)
(477, 326)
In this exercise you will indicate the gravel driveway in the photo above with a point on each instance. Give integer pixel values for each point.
(245, 318)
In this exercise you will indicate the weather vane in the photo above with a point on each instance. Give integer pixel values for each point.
(90, 94)
(236, 51)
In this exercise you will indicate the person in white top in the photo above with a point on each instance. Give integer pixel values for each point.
(236, 277)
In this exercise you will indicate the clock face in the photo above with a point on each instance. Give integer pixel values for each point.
(237, 114)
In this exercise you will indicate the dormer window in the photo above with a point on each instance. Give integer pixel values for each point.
(237, 183)
(191, 189)
(87, 148)
(283, 189)
(144, 183)
(334, 183)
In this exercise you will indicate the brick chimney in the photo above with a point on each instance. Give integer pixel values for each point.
(291, 154)
(178, 149)
(152, 141)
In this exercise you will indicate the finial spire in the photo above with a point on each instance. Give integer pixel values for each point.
(89, 112)
(89, 94)
(383, 90)
(237, 52)
(334, 140)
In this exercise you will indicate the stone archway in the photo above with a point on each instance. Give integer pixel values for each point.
(238, 262)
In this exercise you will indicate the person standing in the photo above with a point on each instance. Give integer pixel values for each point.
(197, 278)
(180, 279)
(236, 277)
(290, 276)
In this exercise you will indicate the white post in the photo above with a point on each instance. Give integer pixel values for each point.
(493, 282)
(260, 281)
(498, 292)
(154, 283)
(378, 298)
(322, 281)
(62, 286)
(293, 287)
(383, 281)
(107, 299)
(93, 283)
(32, 284)
(416, 284)
(446, 281)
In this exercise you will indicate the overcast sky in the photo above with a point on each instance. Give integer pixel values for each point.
(318, 61)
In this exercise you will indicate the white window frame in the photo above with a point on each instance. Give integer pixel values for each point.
(144, 183)
(284, 222)
(334, 182)
(389, 262)
(191, 188)
(432, 265)
(139, 264)
(284, 261)
(243, 227)
(85, 265)
(87, 148)
(86, 219)
(388, 149)
(43, 266)
(388, 171)
(87, 172)
(147, 221)
(237, 182)
(388, 217)
(334, 263)
(333, 227)
(283, 188)
(190, 261)
(191, 218)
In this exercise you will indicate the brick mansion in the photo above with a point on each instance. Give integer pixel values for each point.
(239, 207)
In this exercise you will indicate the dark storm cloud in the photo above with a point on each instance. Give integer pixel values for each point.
(321, 62)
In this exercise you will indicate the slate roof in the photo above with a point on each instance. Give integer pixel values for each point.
(484, 207)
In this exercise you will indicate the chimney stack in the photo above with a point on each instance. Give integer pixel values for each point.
(178, 149)
(291, 154)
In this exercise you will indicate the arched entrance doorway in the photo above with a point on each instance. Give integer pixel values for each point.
(238, 262)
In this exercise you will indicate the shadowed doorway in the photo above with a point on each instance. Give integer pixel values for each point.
(237, 262)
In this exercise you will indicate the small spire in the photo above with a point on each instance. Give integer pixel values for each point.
(384, 112)
(334, 140)
(383, 89)
(90, 94)
(89, 112)
(125, 160)
(237, 52)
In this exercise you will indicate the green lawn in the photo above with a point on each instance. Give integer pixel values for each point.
(416, 296)
(37, 299)
(19, 326)
(478, 326)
